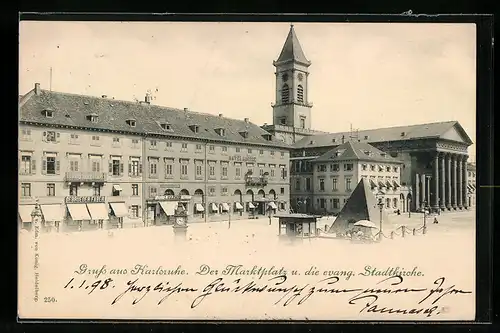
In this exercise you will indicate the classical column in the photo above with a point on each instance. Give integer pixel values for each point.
(465, 202)
(454, 181)
(423, 189)
(442, 181)
(428, 191)
(417, 192)
(459, 182)
(435, 178)
(448, 181)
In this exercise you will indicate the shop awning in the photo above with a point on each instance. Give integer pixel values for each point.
(225, 206)
(78, 212)
(380, 184)
(388, 184)
(52, 212)
(473, 187)
(199, 207)
(168, 207)
(372, 184)
(273, 205)
(214, 206)
(238, 205)
(119, 209)
(98, 211)
(117, 188)
(25, 212)
(395, 184)
(251, 205)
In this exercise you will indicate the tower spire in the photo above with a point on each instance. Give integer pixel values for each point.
(292, 51)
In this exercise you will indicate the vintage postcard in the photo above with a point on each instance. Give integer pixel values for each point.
(247, 171)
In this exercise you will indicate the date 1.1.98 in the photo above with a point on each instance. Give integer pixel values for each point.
(92, 285)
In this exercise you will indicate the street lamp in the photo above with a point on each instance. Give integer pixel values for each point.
(425, 207)
(380, 197)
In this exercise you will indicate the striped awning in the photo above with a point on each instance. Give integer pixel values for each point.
(199, 207)
(388, 183)
(381, 184)
(225, 206)
(238, 205)
(470, 188)
(372, 184)
(214, 206)
(395, 183)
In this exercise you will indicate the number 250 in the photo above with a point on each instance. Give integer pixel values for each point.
(49, 299)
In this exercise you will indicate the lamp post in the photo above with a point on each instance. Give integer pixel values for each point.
(229, 217)
(380, 197)
(424, 205)
(408, 206)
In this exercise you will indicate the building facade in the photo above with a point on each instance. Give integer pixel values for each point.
(434, 155)
(324, 184)
(98, 162)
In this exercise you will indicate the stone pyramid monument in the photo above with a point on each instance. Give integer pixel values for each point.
(361, 205)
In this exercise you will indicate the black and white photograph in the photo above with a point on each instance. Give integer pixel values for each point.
(247, 171)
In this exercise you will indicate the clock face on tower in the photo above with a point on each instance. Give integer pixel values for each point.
(285, 77)
(300, 76)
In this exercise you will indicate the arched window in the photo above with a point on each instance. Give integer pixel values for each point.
(300, 94)
(388, 203)
(395, 203)
(285, 94)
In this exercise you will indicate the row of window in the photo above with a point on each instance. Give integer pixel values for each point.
(348, 185)
(364, 167)
(54, 137)
(285, 94)
(51, 166)
(74, 188)
(335, 203)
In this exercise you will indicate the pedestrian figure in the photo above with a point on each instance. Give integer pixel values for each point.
(435, 221)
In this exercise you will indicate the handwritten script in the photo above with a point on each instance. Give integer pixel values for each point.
(369, 300)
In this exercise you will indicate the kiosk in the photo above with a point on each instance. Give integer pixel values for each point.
(297, 226)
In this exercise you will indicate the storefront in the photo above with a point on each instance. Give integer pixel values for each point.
(161, 209)
(53, 216)
(214, 208)
(25, 216)
(98, 213)
(271, 206)
(78, 215)
(238, 208)
(119, 210)
(224, 208)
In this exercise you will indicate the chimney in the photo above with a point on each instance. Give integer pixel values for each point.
(247, 120)
(37, 88)
(220, 115)
(343, 139)
(147, 99)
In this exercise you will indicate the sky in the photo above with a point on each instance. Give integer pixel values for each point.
(364, 75)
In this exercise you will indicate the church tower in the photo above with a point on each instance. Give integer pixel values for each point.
(292, 77)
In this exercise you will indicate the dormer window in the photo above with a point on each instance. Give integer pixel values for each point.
(131, 122)
(166, 126)
(382, 154)
(220, 131)
(367, 152)
(403, 133)
(334, 140)
(268, 137)
(366, 137)
(244, 134)
(195, 128)
(93, 117)
(48, 113)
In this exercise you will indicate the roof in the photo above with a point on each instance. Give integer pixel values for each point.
(72, 110)
(361, 205)
(397, 133)
(298, 216)
(356, 151)
(292, 51)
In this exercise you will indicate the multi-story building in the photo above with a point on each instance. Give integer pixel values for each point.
(328, 180)
(93, 161)
(471, 184)
(434, 155)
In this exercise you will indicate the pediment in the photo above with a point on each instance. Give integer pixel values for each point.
(457, 134)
